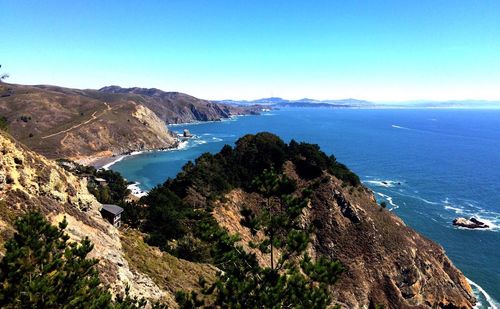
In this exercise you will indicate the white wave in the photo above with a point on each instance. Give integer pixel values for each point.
(216, 139)
(399, 127)
(456, 209)
(492, 304)
(469, 210)
(182, 145)
(136, 190)
(389, 199)
(200, 142)
(107, 166)
(492, 223)
(418, 198)
(384, 183)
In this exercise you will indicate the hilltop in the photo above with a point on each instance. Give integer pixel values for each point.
(87, 124)
(180, 231)
(176, 107)
(387, 262)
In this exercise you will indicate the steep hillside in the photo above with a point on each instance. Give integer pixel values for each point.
(387, 262)
(70, 123)
(175, 107)
(30, 182)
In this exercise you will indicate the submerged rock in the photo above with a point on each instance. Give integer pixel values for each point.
(471, 223)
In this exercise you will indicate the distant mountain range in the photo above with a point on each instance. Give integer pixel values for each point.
(444, 104)
(278, 102)
(306, 102)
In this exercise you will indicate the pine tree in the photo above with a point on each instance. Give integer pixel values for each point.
(42, 269)
(293, 281)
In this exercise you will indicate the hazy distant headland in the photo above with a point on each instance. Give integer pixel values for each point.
(277, 102)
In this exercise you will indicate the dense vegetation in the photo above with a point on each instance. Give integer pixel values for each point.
(176, 217)
(168, 217)
(177, 223)
(292, 280)
(114, 192)
(212, 175)
(42, 269)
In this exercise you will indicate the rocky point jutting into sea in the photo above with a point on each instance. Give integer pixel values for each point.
(87, 125)
(387, 262)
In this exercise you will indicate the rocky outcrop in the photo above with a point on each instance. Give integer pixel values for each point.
(387, 262)
(471, 223)
(175, 107)
(30, 182)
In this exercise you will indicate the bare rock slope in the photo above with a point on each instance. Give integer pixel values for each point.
(31, 182)
(387, 262)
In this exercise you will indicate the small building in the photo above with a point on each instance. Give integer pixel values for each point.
(101, 181)
(112, 213)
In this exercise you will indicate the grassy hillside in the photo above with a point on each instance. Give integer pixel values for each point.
(61, 122)
(176, 107)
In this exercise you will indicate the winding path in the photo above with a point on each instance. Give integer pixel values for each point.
(93, 117)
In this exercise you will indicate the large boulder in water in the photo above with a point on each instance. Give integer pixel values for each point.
(471, 223)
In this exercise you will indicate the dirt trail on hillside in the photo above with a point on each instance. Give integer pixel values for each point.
(93, 117)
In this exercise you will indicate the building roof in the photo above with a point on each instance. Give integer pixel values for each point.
(114, 209)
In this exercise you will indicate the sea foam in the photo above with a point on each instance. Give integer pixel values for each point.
(479, 291)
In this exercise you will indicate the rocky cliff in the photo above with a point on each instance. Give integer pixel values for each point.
(30, 182)
(175, 107)
(70, 123)
(387, 262)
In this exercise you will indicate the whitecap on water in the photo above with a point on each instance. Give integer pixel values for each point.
(384, 183)
(481, 294)
(136, 190)
(399, 127)
(388, 199)
(470, 210)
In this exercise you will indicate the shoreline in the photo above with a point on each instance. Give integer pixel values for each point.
(106, 162)
(480, 291)
(198, 122)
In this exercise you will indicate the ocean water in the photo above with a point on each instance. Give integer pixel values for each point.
(429, 165)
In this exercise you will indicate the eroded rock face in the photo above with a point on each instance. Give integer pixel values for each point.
(387, 262)
(30, 182)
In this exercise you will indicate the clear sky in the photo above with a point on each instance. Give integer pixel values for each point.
(374, 50)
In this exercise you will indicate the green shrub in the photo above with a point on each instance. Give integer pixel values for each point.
(4, 125)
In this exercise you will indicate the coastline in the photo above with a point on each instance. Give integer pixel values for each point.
(197, 122)
(106, 162)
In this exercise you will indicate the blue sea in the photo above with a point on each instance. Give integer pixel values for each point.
(429, 165)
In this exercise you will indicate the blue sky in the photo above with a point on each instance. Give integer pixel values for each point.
(375, 50)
